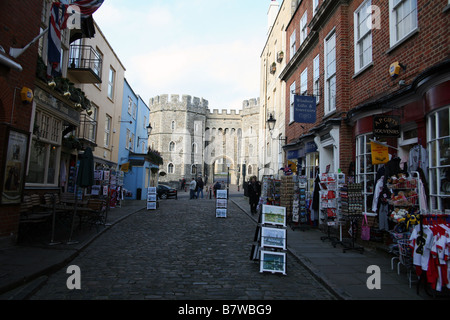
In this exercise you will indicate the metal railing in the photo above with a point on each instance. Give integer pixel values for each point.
(85, 57)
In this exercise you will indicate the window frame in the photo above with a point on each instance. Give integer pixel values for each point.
(328, 108)
(395, 38)
(359, 39)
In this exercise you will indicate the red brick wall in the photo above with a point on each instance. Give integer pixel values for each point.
(19, 25)
(424, 49)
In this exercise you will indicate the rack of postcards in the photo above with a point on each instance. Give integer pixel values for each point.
(329, 203)
(221, 203)
(352, 199)
(300, 204)
(152, 198)
(270, 240)
(271, 191)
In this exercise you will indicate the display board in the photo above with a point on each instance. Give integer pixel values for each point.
(221, 203)
(152, 198)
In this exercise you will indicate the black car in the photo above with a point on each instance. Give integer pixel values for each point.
(165, 192)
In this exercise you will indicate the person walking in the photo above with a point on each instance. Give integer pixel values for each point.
(216, 187)
(254, 192)
(199, 187)
(192, 187)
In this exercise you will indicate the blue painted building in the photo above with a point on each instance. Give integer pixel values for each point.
(133, 147)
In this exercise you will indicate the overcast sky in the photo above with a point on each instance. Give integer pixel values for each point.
(204, 48)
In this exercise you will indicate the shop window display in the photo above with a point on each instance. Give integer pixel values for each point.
(365, 171)
(439, 159)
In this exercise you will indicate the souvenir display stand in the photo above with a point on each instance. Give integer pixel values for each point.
(329, 204)
(270, 240)
(299, 218)
(351, 210)
(221, 204)
(152, 198)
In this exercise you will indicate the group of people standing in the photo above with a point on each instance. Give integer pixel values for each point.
(196, 188)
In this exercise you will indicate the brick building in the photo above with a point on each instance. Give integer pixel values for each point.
(19, 24)
(342, 53)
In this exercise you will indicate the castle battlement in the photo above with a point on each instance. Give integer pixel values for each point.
(223, 113)
(186, 102)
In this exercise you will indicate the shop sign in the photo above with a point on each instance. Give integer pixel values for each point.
(295, 154)
(311, 147)
(386, 126)
(304, 109)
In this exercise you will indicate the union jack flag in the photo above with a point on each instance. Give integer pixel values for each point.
(58, 22)
(88, 7)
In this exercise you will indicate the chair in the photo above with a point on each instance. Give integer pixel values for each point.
(94, 213)
(32, 216)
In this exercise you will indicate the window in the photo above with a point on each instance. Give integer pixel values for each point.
(132, 139)
(92, 124)
(316, 76)
(303, 27)
(315, 6)
(128, 138)
(402, 18)
(304, 83)
(107, 131)
(291, 99)
(330, 73)
(173, 125)
(171, 168)
(365, 171)
(130, 106)
(44, 152)
(172, 146)
(439, 159)
(363, 35)
(111, 80)
(293, 45)
(134, 110)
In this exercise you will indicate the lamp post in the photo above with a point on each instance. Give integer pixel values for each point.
(149, 131)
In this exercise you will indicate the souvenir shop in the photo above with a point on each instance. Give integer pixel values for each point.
(394, 195)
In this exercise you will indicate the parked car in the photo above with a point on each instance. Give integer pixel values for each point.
(165, 192)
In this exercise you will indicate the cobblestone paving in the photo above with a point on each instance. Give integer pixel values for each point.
(182, 251)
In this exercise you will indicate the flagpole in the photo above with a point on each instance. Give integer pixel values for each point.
(15, 53)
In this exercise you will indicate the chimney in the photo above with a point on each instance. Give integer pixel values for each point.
(272, 14)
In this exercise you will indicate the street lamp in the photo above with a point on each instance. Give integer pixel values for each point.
(271, 123)
(149, 131)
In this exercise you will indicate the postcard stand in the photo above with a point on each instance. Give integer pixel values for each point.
(270, 238)
(152, 199)
(221, 203)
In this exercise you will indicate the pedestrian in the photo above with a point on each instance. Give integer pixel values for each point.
(192, 187)
(216, 187)
(183, 183)
(199, 187)
(254, 192)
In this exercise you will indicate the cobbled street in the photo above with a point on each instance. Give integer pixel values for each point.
(181, 251)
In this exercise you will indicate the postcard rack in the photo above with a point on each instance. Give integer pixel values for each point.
(221, 203)
(270, 240)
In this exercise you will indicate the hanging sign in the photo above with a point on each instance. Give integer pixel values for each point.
(380, 154)
(304, 109)
(386, 126)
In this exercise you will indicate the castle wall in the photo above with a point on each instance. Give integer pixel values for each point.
(197, 141)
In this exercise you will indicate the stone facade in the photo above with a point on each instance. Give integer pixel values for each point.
(197, 141)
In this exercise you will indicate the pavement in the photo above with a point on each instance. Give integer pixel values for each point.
(24, 268)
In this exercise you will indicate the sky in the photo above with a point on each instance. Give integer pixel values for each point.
(203, 48)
